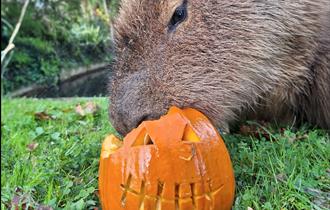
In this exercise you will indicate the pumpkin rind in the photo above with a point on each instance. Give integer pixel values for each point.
(177, 162)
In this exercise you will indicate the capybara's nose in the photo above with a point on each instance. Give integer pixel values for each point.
(118, 121)
(125, 121)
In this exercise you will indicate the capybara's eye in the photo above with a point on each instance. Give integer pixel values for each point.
(179, 15)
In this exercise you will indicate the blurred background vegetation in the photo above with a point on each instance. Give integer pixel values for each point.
(55, 36)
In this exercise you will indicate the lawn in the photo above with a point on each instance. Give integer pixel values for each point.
(50, 153)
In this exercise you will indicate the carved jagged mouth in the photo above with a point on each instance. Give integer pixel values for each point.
(159, 199)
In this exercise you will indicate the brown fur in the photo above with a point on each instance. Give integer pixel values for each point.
(230, 59)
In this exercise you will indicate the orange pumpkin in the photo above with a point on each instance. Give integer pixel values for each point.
(176, 162)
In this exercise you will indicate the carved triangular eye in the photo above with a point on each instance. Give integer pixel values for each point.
(147, 140)
(190, 135)
(143, 139)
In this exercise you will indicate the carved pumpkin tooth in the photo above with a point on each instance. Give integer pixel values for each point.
(193, 199)
(177, 198)
(160, 188)
(142, 195)
(125, 190)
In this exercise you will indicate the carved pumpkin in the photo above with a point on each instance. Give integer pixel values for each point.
(176, 162)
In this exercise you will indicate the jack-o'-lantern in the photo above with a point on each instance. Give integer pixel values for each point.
(176, 162)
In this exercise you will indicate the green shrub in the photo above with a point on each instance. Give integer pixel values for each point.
(43, 47)
(22, 58)
(85, 34)
(55, 35)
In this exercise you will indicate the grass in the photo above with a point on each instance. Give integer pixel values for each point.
(51, 159)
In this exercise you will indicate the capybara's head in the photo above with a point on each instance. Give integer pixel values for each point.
(215, 56)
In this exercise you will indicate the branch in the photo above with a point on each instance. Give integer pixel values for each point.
(11, 45)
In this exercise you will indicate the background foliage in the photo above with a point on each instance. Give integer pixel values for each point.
(55, 35)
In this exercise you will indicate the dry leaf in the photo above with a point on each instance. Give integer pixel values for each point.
(42, 116)
(78, 180)
(25, 201)
(20, 200)
(281, 177)
(252, 130)
(88, 108)
(246, 130)
(80, 110)
(66, 110)
(96, 192)
(42, 207)
(91, 108)
(297, 138)
(32, 146)
(328, 172)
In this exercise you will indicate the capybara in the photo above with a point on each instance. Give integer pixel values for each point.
(230, 59)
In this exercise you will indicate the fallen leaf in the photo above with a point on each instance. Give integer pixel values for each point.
(66, 110)
(96, 192)
(88, 108)
(77, 180)
(281, 177)
(42, 207)
(79, 110)
(25, 201)
(297, 138)
(252, 130)
(42, 116)
(20, 200)
(247, 130)
(32, 146)
(91, 108)
(260, 129)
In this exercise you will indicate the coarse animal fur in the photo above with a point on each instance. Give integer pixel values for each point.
(230, 59)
